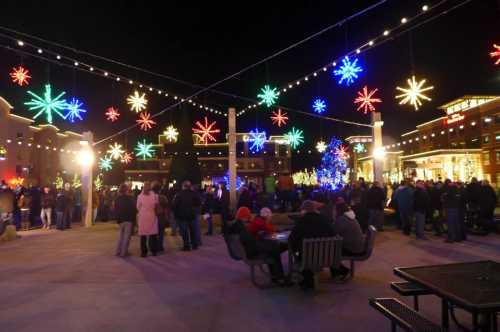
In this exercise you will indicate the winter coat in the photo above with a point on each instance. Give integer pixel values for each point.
(375, 198)
(125, 209)
(404, 199)
(421, 200)
(146, 217)
(310, 225)
(349, 229)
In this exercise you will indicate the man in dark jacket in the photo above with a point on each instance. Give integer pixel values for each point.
(185, 205)
(487, 205)
(375, 201)
(125, 213)
(311, 225)
(420, 208)
(451, 204)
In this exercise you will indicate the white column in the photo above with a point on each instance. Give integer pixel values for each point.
(232, 157)
(86, 143)
(378, 148)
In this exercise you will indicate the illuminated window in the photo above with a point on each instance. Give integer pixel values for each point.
(497, 156)
(498, 179)
(497, 118)
(497, 137)
(486, 122)
(486, 139)
(486, 158)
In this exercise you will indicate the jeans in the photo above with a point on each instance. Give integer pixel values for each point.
(210, 224)
(149, 242)
(419, 224)
(124, 238)
(68, 215)
(273, 250)
(188, 232)
(60, 220)
(46, 216)
(405, 221)
(174, 224)
(376, 218)
(161, 232)
(452, 220)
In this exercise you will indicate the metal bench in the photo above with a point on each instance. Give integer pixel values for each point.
(403, 316)
(406, 288)
(369, 244)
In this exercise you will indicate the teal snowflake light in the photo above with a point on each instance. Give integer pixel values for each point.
(257, 139)
(348, 72)
(105, 163)
(359, 148)
(47, 104)
(144, 150)
(319, 105)
(295, 137)
(74, 110)
(268, 96)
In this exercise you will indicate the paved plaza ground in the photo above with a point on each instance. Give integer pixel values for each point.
(70, 281)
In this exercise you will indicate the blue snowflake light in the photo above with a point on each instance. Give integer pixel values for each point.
(105, 163)
(74, 110)
(257, 139)
(331, 174)
(348, 71)
(319, 105)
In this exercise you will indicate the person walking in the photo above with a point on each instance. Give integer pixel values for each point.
(404, 201)
(161, 214)
(420, 206)
(47, 205)
(147, 202)
(125, 213)
(185, 206)
(375, 201)
(208, 208)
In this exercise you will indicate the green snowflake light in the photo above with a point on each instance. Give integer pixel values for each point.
(105, 163)
(144, 150)
(98, 182)
(295, 137)
(268, 96)
(47, 104)
(359, 148)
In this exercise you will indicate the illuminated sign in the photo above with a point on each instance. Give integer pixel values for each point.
(465, 104)
(454, 118)
(3, 152)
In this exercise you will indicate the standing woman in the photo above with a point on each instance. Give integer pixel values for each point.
(125, 213)
(147, 203)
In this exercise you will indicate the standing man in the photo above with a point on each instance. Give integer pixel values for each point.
(69, 198)
(421, 206)
(185, 205)
(404, 200)
(47, 205)
(375, 201)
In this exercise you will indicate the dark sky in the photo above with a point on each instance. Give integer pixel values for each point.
(205, 43)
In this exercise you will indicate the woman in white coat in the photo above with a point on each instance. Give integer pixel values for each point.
(147, 221)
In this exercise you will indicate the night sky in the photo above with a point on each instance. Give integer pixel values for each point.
(205, 43)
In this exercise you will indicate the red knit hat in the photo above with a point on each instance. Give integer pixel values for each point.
(243, 213)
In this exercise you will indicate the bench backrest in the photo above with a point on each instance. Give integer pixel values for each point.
(320, 253)
(370, 240)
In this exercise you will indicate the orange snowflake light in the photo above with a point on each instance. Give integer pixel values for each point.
(496, 53)
(279, 118)
(365, 100)
(126, 158)
(205, 131)
(342, 152)
(20, 75)
(145, 121)
(112, 114)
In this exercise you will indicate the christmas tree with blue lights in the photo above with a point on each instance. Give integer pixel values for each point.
(331, 174)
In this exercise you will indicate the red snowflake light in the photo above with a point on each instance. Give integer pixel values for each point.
(112, 114)
(145, 121)
(20, 75)
(205, 131)
(342, 152)
(366, 100)
(126, 158)
(496, 53)
(279, 118)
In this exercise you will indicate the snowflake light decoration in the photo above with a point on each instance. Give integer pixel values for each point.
(359, 148)
(496, 53)
(126, 158)
(145, 122)
(205, 131)
(74, 110)
(348, 71)
(295, 137)
(112, 114)
(319, 105)
(414, 94)
(20, 75)
(321, 146)
(47, 104)
(279, 118)
(137, 101)
(342, 152)
(115, 151)
(268, 96)
(366, 99)
(105, 163)
(257, 139)
(332, 172)
(171, 133)
(144, 150)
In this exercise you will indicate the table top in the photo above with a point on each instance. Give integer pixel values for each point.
(278, 236)
(474, 285)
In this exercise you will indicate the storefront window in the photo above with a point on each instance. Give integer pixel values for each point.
(497, 119)
(497, 156)
(486, 139)
(486, 158)
(497, 137)
(486, 122)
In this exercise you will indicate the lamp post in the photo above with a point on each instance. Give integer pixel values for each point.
(85, 158)
(378, 150)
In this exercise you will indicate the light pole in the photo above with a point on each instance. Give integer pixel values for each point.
(85, 158)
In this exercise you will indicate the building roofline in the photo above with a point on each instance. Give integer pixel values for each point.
(462, 98)
(440, 152)
(6, 102)
(22, 118)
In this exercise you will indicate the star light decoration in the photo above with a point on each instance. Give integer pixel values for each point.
(126, 158)
(342, 152)
(105, 163)
(112, 114)
(115, 151)
(137, 101)
(279, 118)
(366, 99)
(496, 53)
(171, 133)
(359, 148)
(414, 94)
(144, 149)
(47, 104)
(348, 71)
(268, 96)
(321, 146)
(319, 105)
(20, 75)
(145, 122)
(74, 110)
(295, 137)
(257, 139)
(205, 131)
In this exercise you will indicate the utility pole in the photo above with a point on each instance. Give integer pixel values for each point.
(232, 157)
(378, 152)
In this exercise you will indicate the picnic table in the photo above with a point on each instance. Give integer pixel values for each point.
(473, 286)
